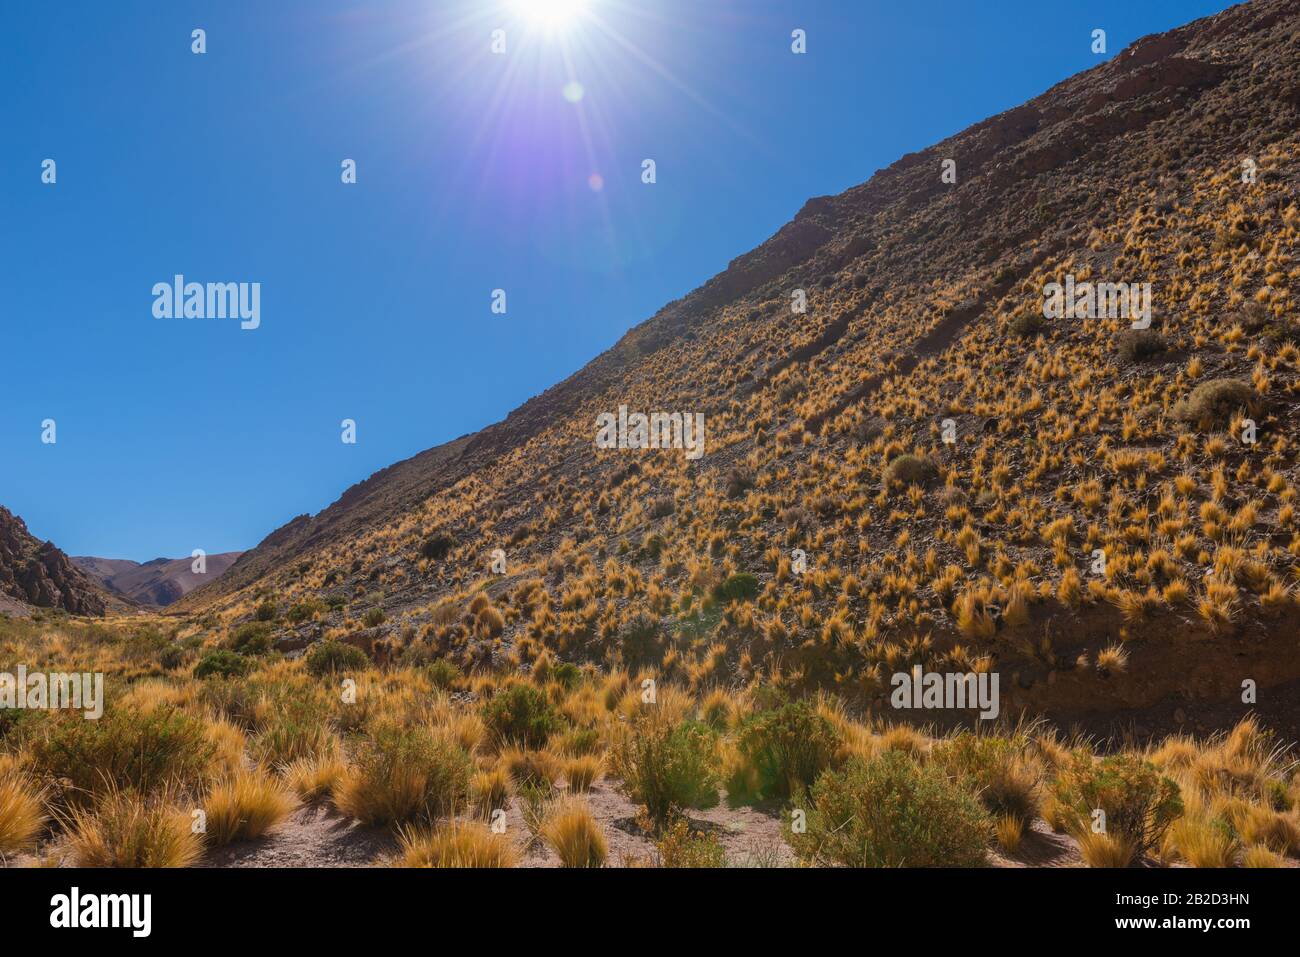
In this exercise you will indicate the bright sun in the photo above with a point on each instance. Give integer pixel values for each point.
(552, 14)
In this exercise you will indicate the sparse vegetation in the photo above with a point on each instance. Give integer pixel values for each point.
(335, 657)
(668, 768)
(892, 812)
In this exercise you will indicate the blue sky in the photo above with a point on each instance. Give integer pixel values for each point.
(474, 173)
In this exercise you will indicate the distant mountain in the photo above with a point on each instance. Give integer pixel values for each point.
(157, 582)
(37, 574)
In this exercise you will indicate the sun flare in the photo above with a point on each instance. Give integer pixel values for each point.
(551, 14)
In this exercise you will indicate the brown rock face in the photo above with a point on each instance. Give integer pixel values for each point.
(40, 574)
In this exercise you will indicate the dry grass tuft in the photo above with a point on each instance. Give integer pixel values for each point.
(456, 845)
(127, 830)
(572, 832)
(246, 806)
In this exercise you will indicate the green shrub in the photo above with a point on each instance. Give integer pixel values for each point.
(1214, 402)
(296, 725)
(741, 586)
(251, 638)
(997, 769)
(437, 546)
(443, 673)
(221, 663)
(639, 639)
(145, 644)
(522, 715)
(265, 611)
(333, 657)
(668, 768)
(303, 610)
(682, 847)
(910, 470)
(567, 674)
(781, 752)
(374, 616)
(891, 812)
(1139, 803)
(126, 748)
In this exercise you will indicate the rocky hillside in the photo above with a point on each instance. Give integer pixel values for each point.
(919, 468)
(36, 573)
(158, 582)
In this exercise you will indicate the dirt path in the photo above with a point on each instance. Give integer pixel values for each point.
(314, 836)
(751, 837)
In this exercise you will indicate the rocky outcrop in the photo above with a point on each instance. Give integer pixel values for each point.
(39, 574)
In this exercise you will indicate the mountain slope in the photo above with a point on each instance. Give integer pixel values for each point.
(1071, 438)
(36, 573)
(158, 582)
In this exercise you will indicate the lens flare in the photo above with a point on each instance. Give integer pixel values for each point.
(551, 14)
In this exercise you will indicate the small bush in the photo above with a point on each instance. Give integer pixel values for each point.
(891, 812)
(1282, 331)
(522, 715)
(293, 724)
(1139, 803)
(639, 639)
(437, 546)
(1256, 319)
(1214, 402)
(781, 752)
(1004, 779)
(223, 664)
(373, 617)
(662, 507)
(668, 768)
(1135, 345)
(265, 611)
(680, 846)
(130, 830)
(738, 482)
(910, 470)
(443, 673)
(400, 774)
(1028, 324)
(303, 610)
(251, 638)
(335, 657)
(741, 586)
(567, 675)
(145, 750)
(532, 769)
